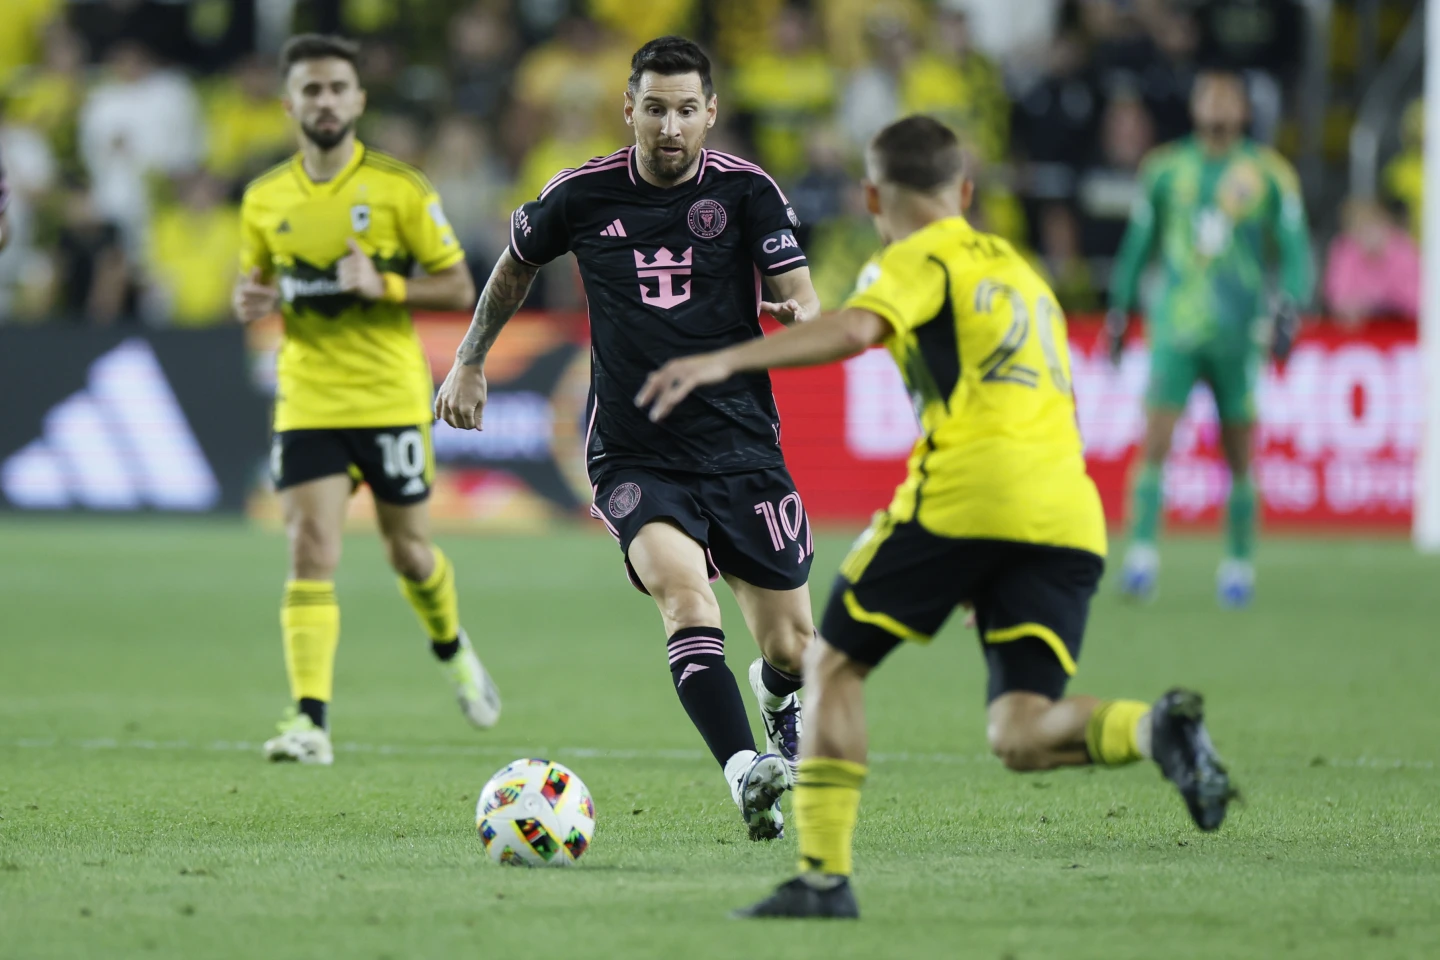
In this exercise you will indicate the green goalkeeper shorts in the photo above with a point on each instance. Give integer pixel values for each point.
(1231, 372)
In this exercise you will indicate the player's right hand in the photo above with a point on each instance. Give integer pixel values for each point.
(461, 400)
(252, 298)
(1286, 329)
(790, 312)
(1117, 321)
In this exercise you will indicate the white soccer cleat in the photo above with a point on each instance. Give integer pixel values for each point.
(782, 722)
(756, 788)
(476, 693)
(1140, 576)
(300, 741)
(1235, 583)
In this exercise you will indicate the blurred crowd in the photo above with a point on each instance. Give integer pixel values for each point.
(130, 127)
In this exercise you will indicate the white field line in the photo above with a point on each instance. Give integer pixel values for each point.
(486, 750)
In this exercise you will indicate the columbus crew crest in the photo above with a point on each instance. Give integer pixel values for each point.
(707, 219)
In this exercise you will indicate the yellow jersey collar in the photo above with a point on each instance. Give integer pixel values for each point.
(357, 156)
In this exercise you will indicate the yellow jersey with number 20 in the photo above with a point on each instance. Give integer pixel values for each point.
(346, 361)
(980, 342)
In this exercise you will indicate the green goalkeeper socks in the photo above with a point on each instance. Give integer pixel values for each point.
(1147, 500)
(1240, 514)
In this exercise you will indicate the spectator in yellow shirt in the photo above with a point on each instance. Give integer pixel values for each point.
(581, 68)
(20, 36)
(641, 22)
(47, 97)
(960, 86)
(1404, 176)
(193, 248)
(785, 91)
(248, 129)
(572, 139)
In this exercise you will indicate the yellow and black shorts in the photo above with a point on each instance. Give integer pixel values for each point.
(397, 462)
(902, 582)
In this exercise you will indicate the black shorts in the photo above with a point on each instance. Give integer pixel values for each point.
(901, 582)
(397, 462)
(752, 525)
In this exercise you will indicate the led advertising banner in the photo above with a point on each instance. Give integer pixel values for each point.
(125, 420)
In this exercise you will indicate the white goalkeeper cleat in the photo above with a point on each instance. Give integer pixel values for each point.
(1235, 583)
(476, 693)
(300, 741)
(782, 721)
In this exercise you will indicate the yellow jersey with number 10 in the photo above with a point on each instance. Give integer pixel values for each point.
(346, 361)
(981, 344)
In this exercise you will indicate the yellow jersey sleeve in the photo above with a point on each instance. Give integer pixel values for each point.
(427, 234)
(904, 286)
(254, 251)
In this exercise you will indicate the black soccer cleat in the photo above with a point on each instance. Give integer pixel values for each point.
(798, 899)
(1181, 746)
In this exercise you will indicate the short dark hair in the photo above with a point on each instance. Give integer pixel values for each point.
(318, 46)
(916, 152)
(669, 57)
(1213, 72)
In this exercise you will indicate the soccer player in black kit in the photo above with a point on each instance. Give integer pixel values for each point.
(673, 242)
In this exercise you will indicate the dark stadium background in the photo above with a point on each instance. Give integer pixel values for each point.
(130, 127)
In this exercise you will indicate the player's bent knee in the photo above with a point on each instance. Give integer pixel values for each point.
(687, 606)
(314, 550)
(786, 644)
(411, 557)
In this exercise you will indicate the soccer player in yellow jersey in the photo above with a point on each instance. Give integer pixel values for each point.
(332, 237)
(997, 513)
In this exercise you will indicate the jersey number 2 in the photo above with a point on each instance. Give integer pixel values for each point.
(1000, 366)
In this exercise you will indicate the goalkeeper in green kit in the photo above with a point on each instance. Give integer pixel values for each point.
(1215, 208)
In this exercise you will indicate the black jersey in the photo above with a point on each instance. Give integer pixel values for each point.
(668, 272)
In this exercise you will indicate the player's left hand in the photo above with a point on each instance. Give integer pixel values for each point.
(357, 272)
(1286, 329)
(666, 387)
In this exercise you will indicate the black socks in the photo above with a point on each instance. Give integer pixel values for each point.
(708, 690)
(314, 709)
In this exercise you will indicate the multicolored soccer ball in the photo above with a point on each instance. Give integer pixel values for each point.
(535, 813)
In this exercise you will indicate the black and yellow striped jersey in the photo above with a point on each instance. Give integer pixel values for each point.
(981, 344)
(346, 361)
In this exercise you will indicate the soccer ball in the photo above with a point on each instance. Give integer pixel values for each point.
(535, 813)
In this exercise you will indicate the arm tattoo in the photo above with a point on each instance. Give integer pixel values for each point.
(504, 292)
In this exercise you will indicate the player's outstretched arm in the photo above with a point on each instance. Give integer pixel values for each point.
(834, 336)
(461, 400)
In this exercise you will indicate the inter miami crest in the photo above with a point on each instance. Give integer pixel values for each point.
(360, 217)
(707, 219)
(624, 500)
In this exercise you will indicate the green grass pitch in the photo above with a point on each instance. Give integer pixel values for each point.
(140, 668)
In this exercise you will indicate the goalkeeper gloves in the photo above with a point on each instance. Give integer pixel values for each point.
(1286, 328)
(1117, 321)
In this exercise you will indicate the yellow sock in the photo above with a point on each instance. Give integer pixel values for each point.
(310, 625)
(827, 802)
(435, 600)
(1110, 736)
